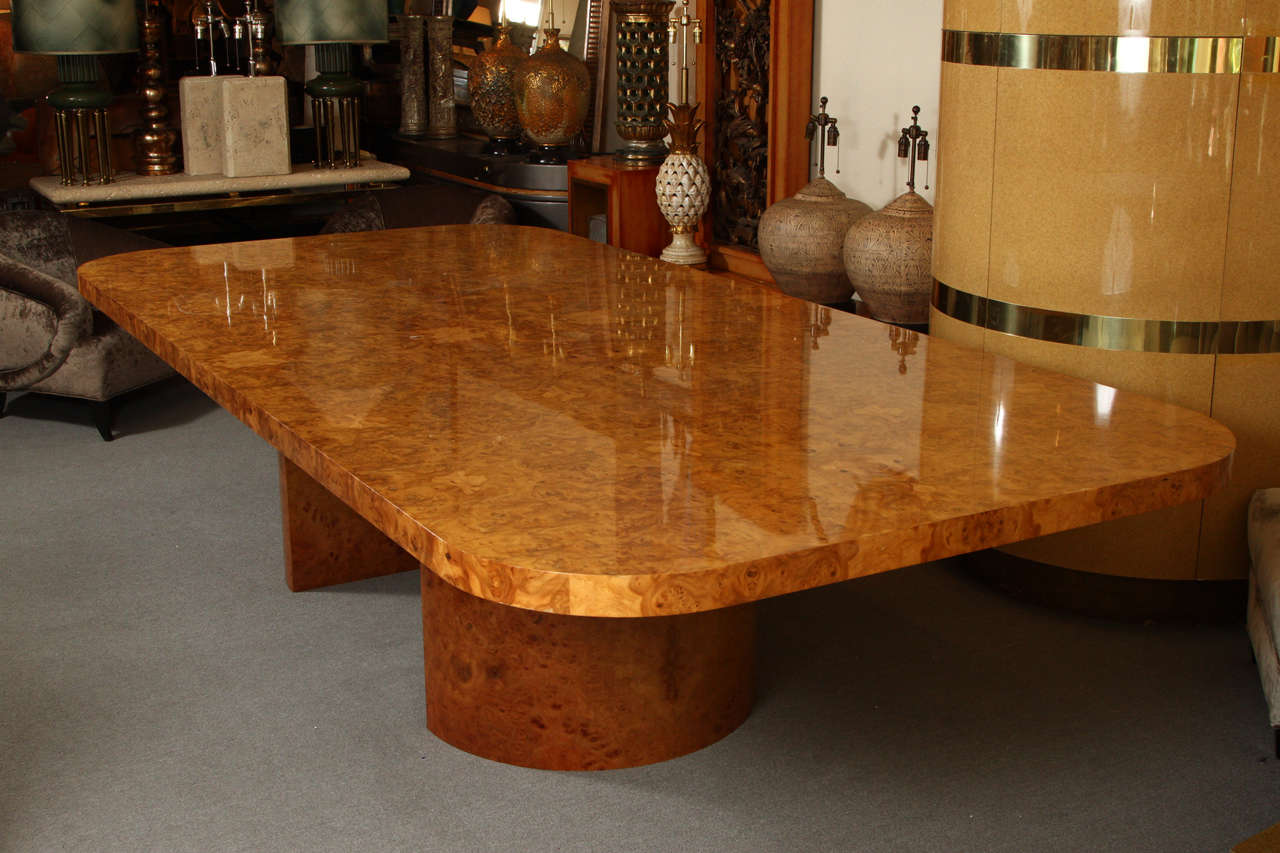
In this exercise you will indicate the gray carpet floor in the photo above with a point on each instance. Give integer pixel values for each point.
(161, 689)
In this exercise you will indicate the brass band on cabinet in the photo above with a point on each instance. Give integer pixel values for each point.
(1129, 334)
(1138, 54)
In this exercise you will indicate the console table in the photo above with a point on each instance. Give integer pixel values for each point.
(601, 461)
(183, 209)
(132, 193)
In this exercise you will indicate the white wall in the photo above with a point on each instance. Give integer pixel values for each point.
(874, 60)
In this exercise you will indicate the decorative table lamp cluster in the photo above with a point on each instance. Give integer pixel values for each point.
(544, 97)
(823, 246)
(77, 32)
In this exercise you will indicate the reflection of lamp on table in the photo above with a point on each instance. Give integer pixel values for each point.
(76, 32)
(333, 26)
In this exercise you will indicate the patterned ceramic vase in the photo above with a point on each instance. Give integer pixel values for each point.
(553, 90)
(684, 187)
(889, 258)
(801, 239)
(493, 97)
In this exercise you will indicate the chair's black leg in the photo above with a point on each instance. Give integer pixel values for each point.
(2, 396)
(1278, 743)
(102, 416)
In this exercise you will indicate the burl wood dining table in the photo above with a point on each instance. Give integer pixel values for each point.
(601, 462)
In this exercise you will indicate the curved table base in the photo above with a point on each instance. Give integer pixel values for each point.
(577, 692)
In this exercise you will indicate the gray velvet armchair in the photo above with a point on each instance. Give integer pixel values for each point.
(52, 341)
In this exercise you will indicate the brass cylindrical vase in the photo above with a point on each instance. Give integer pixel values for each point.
(642, 78)
(493, 97)
(413, 94)
(442, 118)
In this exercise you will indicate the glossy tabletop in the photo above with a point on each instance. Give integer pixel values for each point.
(558, 425)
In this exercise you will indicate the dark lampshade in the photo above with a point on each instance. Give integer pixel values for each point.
(71, 27)
(330, 21)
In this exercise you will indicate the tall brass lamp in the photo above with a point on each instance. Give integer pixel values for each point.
(333, 26)
(77, 32)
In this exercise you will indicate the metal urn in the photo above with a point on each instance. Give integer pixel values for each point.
(642, 41)
(889, 254)
(492, 87)
(553, 91)
(801, 238)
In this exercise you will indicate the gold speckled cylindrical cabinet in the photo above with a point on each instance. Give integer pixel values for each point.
(1108, 205)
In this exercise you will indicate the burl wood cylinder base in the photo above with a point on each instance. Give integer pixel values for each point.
(579, 692)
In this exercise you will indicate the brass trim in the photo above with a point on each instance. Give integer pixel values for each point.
(1262, 54)
(1123, 54)
(1125, 334)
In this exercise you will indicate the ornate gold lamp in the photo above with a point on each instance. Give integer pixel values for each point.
(77, 32)
(683, 183)
(333, 26)
(552, 93)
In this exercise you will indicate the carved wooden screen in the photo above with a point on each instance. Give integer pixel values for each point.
(755, 81)
(739, 135)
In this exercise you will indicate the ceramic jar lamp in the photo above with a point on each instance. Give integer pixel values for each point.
(889, 254)
(801, 238)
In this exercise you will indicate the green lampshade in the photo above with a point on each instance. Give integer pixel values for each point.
(74, 26)
(329, 21)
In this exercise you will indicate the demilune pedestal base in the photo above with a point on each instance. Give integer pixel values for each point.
(581, 692)
(539, 689)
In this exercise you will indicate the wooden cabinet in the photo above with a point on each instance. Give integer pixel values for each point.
(626, 197)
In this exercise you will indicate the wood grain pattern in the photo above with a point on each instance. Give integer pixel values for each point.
(562, 426)
(580, 692)
(791, 96)
(326, 542)
(635, 222)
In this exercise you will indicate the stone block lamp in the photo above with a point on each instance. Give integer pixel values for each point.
(77, 32)
(333, 26)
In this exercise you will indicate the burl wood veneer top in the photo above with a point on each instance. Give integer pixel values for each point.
(561, 426)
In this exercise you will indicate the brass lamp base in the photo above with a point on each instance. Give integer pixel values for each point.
(337, 121)
(82, 133)
(80, 122)
(335, 98)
